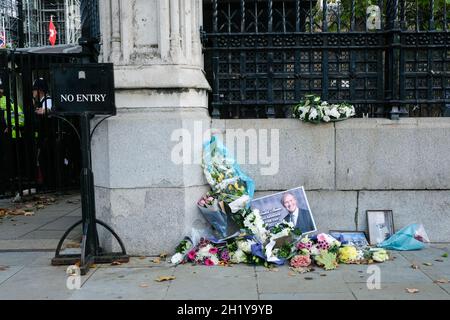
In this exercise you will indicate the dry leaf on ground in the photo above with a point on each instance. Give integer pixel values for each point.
(442, 281)
(156, 260)
(427, 264)
(29, 213)
(116, 263)
(164, 278)
(163, 255)
(439, 260)
(412, 290)
(414, 266)
(142, 258)
(3, 268)
(309, 278)
(143, 285)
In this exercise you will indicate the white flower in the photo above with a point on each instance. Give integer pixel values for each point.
(334, 113)
(245, 246)
(238, 256)
(214, 259)
(204, 252)
(239, 203)
(350, 111)
(314, 251)
(326, 118)
(255, 224)
(176, 258)
(313, 114)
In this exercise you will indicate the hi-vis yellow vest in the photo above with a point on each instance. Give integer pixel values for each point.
(13, 117)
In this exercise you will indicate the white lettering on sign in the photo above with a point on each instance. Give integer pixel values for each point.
(83, 97)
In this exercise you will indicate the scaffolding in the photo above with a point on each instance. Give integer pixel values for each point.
(36, 15)
(66, 17)
(9, 21)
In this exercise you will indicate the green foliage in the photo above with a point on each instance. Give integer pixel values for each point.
(327, 260)
(285, 251)
(297, 232)
(183, 246)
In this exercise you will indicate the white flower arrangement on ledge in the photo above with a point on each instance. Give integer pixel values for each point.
(313, 109)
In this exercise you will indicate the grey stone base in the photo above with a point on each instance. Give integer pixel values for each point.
(346, 210)
(149, 221)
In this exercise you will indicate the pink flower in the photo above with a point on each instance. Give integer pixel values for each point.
(321, 237)
(202, 202)
(208, 262)
(213, 250)
(192, 254)
(300, 261)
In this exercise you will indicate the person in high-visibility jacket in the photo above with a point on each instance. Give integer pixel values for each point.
(4, 115)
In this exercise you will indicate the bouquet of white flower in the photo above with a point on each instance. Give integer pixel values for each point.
(313, 109)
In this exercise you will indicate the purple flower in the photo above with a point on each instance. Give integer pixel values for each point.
(225, 255)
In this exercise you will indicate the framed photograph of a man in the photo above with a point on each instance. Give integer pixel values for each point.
(291, 206)
(380, 224)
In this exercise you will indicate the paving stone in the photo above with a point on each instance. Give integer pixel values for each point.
(62, 223)
(37, 284)
(308, 296)
(125, 283)
(397, 291)
(200, 282)
(8, 272)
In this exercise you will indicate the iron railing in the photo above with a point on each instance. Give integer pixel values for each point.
(43, 152)
(262, 57)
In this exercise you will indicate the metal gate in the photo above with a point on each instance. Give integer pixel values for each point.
(38, 152)
(389, 58)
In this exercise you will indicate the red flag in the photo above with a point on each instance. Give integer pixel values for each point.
(52, 31)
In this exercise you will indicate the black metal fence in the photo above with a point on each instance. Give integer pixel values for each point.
(39, 152)
(389, 59)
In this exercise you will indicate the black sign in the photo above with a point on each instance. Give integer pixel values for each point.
(83, 88)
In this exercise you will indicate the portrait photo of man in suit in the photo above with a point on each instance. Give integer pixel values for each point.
(300, 217)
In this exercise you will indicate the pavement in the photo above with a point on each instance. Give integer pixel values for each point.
(45, 227)
(27, 245)
(28, 275)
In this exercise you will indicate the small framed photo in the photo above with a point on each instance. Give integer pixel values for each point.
(380, 224)
(354, 238)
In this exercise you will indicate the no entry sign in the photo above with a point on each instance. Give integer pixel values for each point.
(83, 88)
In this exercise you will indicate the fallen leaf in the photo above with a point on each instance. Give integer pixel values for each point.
(116, 263)
(291, 274)
(439, 260)
(442, 281)
(163, 255)
(309, 278)
(156, 260)
(414, 266)
(274, 269)
(73, 245)
(17, 212)
(29, 213)
(164, 278)
(3, 268)
(412, 290)
(323, 275)
(427, 264)
(142, 258)
(445, 255)
(143, 285)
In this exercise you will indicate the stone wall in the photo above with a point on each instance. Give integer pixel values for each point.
(356, 165)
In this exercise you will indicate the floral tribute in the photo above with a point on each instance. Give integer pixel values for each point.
(313, 109)
(228, 203)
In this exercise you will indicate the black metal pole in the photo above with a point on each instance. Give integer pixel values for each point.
(87, 182)
(20, 34)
